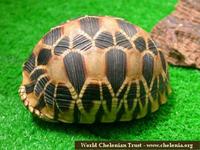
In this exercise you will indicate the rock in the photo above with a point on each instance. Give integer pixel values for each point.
(179, 34)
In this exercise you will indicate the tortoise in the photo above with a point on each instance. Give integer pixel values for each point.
(95, 69)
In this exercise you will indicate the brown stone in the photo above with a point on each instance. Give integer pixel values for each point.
(179, 34)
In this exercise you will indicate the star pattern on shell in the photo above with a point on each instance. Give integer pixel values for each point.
(95, 69)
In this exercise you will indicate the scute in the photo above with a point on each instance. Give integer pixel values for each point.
(90, 25)
(107, 96)
(36, 73)
(81, 42)
(116, 68)
(62, 46)
(40, 84)
(29, 87)
(161, 84)
(142, 93)
(49, 94)
(63, 97)
(163, 61)
(44, 56)
(95, 69)
(41, 103)
(121, 40)
(74, 67)
(120, 112)
(92, 92)
(132, 94)
(51, 37)
(104, 40)
(140, 44)
(152, 46)
(154, 90)
(148, 63)
(29, 65)
(122, 93)
(128, 28)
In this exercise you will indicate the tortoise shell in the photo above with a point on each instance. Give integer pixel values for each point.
(95, 69)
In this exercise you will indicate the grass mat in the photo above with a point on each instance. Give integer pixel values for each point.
(23, 23)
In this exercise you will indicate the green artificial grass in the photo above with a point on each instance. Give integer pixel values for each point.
(23, 23)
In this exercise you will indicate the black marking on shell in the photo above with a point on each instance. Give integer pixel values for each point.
(167, 87)
(136, 110)
(107, 96)
(142, 93)
(131, 95)
(104, 40)
(128, 28)
(154, 90)
(63, 97)
(92, 92)
(167, 74)
(140, 44)
(62, 46)
(116, 67)
(122, 93)
(49, 94)
(149, 106)
(44, 56)
(77, 114)
(163, 61)
(99, 114)
(56, 112)
(29, 65)
(152, 46)
(161, 84)
(41, 103)
(106, 92)
(148, 64)
(120, 112)
(81, 42)
(159, 99)
(29, 87)
(87, 105)
(90, 25)
(39, 87)
(36, 73)
(52, 36)
(74, 66)
(121, 40)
